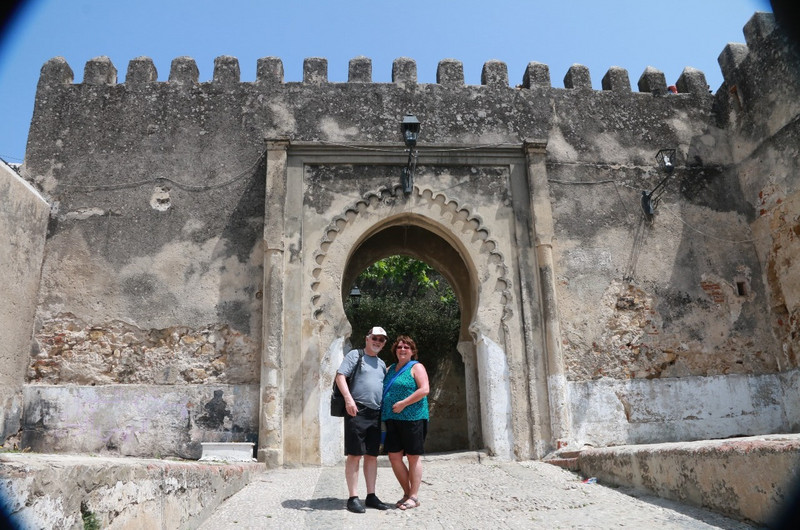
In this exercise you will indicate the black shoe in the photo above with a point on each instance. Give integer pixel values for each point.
(354, 505)
(374, 502)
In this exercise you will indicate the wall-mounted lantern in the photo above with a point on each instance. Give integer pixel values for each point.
(355, 295)
(666, 159)
(410, 127)
(650, 200)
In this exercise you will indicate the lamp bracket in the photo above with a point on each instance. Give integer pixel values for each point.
(407, 178)
(409, 127)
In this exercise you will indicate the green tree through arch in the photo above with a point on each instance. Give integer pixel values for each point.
(407, 297)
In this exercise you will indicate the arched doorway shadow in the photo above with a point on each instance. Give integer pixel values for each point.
(452, 427)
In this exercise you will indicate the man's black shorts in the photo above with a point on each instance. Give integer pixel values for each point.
(406, 436)
(362, 433)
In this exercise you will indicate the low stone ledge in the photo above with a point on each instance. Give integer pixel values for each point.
(62, 491)
(749, 478)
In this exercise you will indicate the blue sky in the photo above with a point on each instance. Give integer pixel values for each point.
(633, 34)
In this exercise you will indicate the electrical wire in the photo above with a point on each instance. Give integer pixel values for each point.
(188, 187)
(755, 240)
(249, 170)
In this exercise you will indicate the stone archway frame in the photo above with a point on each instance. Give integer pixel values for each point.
(308, 254)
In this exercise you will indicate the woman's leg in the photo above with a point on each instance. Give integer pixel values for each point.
(414, 475)
(414, 481)
(400, 471)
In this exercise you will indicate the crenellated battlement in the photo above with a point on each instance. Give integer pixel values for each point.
(757, 74)
(759, 36)
(449, 73)
(191, 117)
(499, 110)
(758, 33)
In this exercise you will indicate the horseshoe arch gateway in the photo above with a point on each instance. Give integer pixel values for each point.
(480, 215)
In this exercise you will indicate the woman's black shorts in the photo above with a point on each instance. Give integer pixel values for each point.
(406, 436)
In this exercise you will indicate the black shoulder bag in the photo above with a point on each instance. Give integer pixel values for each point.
(337, 399)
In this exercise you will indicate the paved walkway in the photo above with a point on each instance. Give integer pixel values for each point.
(461, 491)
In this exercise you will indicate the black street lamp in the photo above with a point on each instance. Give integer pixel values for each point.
(410, 127)
(355, 295)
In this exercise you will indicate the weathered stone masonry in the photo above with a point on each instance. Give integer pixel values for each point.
(202, 235)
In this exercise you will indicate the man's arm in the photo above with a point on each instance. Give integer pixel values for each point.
(349, 403)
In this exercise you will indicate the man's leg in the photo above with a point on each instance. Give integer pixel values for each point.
(351, 474)
(370, 472)
(373, 443)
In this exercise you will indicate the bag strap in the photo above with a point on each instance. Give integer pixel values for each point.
(355, 369)
(396, 375)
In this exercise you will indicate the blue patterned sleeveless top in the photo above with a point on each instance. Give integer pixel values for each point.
(403, 386)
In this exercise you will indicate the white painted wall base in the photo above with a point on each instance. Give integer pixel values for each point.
(495, 392)
(137, 420)
(331, 441)
(638, 411)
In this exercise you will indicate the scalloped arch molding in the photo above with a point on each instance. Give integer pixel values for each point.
(453, 218)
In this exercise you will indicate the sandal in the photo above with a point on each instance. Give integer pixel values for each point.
(411, 502)
(401, 501)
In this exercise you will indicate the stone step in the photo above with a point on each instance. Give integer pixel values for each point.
(571, 464)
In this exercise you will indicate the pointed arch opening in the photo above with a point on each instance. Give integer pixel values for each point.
(453, 390)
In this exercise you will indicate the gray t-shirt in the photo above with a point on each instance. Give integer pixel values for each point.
(367, 388)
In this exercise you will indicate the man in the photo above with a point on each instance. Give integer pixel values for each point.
(362, 423)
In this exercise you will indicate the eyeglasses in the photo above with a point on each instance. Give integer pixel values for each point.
(378, 338)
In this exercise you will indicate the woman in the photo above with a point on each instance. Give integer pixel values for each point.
(405, 411)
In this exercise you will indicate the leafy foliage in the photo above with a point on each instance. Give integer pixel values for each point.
(406, 297)
(90, 521)
(407, 276)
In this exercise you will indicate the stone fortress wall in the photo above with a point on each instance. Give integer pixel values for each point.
(148, 335)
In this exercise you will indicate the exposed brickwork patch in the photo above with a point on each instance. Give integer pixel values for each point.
(71, 351)
(636, 343)
(782, 266)
(714, 291)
